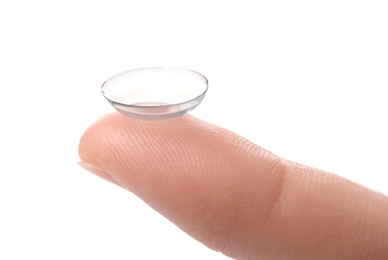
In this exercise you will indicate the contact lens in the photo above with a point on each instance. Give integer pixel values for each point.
(155, 92)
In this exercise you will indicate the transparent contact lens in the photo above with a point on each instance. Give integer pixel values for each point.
(155, 92)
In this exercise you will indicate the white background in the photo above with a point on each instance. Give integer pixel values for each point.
(305, 79)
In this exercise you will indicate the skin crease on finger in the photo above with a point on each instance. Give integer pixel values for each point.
(234, 196)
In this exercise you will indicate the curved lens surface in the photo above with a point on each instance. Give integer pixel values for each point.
(155, 92)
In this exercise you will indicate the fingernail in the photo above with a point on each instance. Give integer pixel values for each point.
(98, 171)
(91, 168)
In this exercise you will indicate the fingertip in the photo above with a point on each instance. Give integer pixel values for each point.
(194, 173)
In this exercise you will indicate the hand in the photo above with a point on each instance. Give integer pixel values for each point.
(234, 196)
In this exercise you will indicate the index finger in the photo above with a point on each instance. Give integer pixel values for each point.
(236, 197)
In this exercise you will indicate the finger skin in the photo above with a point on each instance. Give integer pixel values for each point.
(236, 197)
